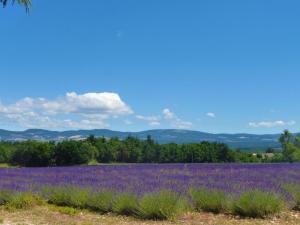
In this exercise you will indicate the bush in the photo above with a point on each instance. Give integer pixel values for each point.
(161, 206)
(209, 200)
(5, 196)
(257, 204)
(66, 196)
(294, 191)
(24, 201)
(125, 204)
(101, 201)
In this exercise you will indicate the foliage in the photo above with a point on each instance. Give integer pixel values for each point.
(26, 3)
(101, 201)
(73, 152)
(33, 153)
(161, 206)
(130, 150)
(290, 146)
(294, 191)
(24, 200)
(5, 196)
(257, 204)
(66, 196)
(125, 204)
(209, 200)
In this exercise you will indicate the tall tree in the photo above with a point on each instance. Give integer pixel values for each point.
(26, 3)
(290, 149)
(285, 138)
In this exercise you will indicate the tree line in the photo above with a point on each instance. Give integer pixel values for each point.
(114, 150)
(290, 146)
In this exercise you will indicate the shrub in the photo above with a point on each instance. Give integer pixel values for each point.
(125, 204)
(24, 201)
(101, 201)
(161, 206)
(5, 196)
(209, 200)
(66, 196)
(294, 191)
(257, 204)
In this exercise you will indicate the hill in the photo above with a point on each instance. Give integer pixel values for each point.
(242, 140)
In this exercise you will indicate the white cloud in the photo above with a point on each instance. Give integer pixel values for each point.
(270, 124)
(175, 121)
(72, 111)
(211, 115)
(168, 115)
(154, 123)
(128, 122)
(152, 120)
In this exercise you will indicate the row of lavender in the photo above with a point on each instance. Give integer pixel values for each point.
(144, 178)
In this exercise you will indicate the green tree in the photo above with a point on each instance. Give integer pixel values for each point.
(92, 140)
(288, 148)
(33, 154)
(133, 147)
(5, 154)
(285, 138)
(291, 153)
(26, 3)
(297, 141)
(88, 152)
(149, 151)
(69, 153)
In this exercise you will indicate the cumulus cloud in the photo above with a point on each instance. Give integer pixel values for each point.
(128, 122)
(270, 124)
(175, 121)
(75, 111)
(211, 115)
(152, 120)
(168, 114)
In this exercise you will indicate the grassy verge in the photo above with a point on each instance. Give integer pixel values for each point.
(165, 205)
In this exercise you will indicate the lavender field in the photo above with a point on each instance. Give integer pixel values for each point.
(143, 178)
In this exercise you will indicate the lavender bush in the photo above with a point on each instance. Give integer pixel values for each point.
(137, 186)
(145, 178)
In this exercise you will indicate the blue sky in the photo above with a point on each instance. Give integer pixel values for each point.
(215, 66)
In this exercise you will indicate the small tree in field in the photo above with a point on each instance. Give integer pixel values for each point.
(290, 149)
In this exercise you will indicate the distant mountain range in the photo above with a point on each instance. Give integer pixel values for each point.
(242, 141)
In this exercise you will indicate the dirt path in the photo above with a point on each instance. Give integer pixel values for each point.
(54, 216)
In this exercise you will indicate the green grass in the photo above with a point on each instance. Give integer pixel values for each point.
(66, 196)
(294, 191)
(257, 204)
(162, 206)
(4, 165)
(5, 196)
(67, 210)
(101, 201)
(125, 204)
(214, 201)
(24, 201)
